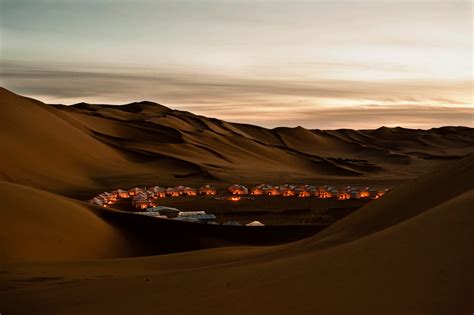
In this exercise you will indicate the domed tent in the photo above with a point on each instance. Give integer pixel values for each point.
(255, 223)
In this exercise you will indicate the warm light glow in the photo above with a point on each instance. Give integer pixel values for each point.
(364, 194)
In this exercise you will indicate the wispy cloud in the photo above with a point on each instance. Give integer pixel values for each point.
(264, 101)
(271, 62)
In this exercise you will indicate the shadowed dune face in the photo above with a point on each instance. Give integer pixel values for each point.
(41, 226)
(404, 203)
(85, 147)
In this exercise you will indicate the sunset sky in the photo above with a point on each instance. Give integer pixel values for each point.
(318, 64)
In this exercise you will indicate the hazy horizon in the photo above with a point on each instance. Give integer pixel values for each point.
(318, 64)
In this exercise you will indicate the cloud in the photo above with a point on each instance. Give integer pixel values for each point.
(257, 100)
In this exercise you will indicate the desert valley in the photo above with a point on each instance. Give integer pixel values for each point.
(236, 157)
(140, 208)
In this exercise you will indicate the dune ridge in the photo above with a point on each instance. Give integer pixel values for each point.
(86, 148)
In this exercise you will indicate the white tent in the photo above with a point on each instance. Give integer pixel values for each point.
(255, 223)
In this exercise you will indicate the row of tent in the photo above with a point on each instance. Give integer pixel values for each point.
(323, 192)
(143, 197)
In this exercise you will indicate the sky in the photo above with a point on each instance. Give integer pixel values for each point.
(316, 64)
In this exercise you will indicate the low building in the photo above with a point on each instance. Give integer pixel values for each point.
(180, 189)
(363, 193)
(141, 200)
(191, 213)
(110, 197)
(150, 194)
(261, 189)
(134, 191)
(188, 191)
(160, 194)
(122, 193)
(113, 194)
(97, 201)
(343, 195)
(165, 211)
(232, 223)
(173, 192)
(238, 190)
(304, 194)
(142, 204)
(287, 190)
(200, 216)
(152, 214)
(158, 191)
(273, 191)
(207, 190)
(323, 193)
(256, 191)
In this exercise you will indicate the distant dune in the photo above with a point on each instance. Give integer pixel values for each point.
(80, 149)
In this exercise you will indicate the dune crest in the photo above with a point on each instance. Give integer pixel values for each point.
(86, 148)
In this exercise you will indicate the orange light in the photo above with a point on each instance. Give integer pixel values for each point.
(235, 198)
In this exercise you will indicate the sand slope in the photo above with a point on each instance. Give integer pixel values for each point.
(41, 149)
(409, 253)
(405, 202)
(36, 225)
(81, 149)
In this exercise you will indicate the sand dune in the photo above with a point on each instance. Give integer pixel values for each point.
(405, 202)
(409, 253)
(86, 148)
(40, 226)
(36, 226)
(42, 149)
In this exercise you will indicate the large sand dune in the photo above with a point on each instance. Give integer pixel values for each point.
(78, 150)
(409, 253)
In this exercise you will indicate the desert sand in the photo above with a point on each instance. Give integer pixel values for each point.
(86, 148)
(408, 253)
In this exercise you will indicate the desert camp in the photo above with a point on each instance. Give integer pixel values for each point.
(236, 157)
